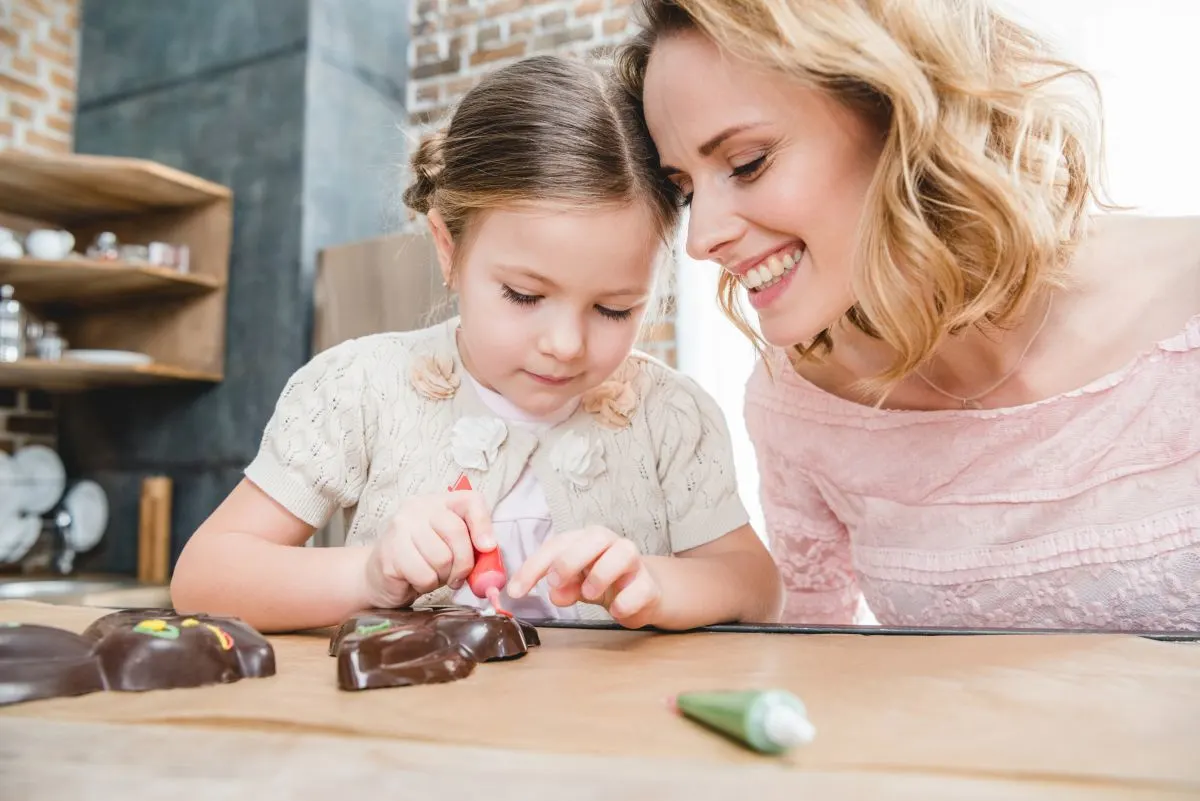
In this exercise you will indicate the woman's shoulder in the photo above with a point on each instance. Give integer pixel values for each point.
(1135, 284)
(1155, 260)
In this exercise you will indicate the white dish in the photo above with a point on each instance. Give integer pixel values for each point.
(17, 536)
(124, 358)
(9, 535)
(40, 478)
(87, 504)
(11, 493)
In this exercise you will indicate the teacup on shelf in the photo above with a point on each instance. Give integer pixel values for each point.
(10, 246)
(49, 244)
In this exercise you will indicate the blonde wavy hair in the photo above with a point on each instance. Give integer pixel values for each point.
(991, 153)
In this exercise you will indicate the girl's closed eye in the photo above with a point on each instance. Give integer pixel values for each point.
(615, 314)
(518, 298)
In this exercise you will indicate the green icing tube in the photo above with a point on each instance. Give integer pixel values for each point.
(769, 721)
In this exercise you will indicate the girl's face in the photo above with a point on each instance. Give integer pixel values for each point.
(551, 298)
(777, 173)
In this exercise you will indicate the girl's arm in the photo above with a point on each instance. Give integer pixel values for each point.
(247, 560)
(732, 579)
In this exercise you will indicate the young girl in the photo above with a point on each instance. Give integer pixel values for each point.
(604, 477)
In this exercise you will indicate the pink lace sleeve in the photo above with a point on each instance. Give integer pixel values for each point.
(809, 544)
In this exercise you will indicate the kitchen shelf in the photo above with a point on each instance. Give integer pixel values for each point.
(69, 375)
(75, 187)
(178, 319)
(89, 282)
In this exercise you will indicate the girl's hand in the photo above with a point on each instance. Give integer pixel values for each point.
(427, 544)
(594, 565)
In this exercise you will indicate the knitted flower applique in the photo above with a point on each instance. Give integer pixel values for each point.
(475, 441)
(614, 400)
(434, 377)
(579, 459)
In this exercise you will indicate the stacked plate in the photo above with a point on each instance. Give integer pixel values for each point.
(32, 482)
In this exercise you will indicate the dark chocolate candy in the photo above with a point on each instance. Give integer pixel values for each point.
(131, 650)
(157, 649)
(45, 662)
(402, 647)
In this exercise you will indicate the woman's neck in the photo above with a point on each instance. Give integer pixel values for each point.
(965, 365)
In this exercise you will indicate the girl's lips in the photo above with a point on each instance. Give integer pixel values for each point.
(549, 380)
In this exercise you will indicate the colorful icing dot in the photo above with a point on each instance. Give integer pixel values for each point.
(190, 622)
(370, 628)
(222, 636)
(157, 628)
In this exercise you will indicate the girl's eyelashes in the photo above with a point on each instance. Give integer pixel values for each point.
(615, 314)
(517, 297)
(521, 299)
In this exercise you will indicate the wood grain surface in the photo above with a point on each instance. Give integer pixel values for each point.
(1055, 717)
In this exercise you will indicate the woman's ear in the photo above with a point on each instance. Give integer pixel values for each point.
(444, 243)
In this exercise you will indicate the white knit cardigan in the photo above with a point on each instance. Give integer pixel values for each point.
(375, 420)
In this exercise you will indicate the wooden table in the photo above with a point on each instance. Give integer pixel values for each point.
(585, 716)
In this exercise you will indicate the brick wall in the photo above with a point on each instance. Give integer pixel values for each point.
(39, 45)
(455, 42)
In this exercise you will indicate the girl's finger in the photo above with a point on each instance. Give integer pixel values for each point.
(453, 532)
(620, 558)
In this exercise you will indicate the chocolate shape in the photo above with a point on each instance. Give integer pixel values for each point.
(132, 650)
(45, 662)
(403, 647)
(143, 649)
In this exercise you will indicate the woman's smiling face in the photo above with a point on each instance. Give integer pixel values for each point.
(777, 175)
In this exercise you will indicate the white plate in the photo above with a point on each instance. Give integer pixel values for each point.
(11, 493)
(88, 506)
(10, 535)
(19, 534)
(126, 358)
(40, 476)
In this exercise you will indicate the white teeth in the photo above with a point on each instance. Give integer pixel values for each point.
(771, 270)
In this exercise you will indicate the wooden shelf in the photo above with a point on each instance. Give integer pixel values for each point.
(179, 319)
(73, 375)
(88, 283)
(71, 186)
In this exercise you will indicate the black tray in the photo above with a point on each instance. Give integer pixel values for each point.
(870, 631)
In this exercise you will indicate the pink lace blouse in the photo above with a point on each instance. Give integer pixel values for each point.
(1080, 511)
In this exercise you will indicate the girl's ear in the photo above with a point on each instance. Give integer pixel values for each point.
(444, 243)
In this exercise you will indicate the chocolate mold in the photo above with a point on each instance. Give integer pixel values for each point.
(404, 647)
(132, 650)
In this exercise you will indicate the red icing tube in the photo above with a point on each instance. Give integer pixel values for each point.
(487, 578)
(487, 574)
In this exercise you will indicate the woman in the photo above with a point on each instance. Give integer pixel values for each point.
(977, 404)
